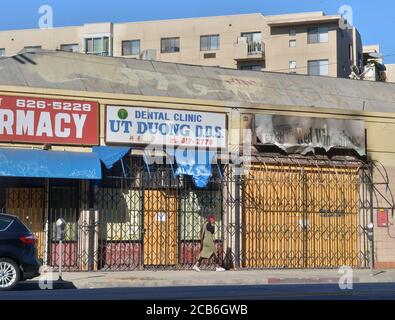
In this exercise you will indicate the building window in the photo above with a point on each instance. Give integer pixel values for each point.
(70, 47)
(130, 47)
(98, 46)
(254, 67)
(169, 45)
(318, 67)
(318, 35)
(2, 52)
(292, 43)
(292, 32)
(254, 42)
(209, 43)
(31, 48)
(292, 66)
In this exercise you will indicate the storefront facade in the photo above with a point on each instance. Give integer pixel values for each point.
(300, 195)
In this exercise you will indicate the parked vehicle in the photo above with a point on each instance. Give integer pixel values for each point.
(18, 253)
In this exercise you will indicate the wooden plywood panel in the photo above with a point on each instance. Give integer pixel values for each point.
(300, 217)
(28, 205)
(271, 212)
(332, 232)
(160, 228)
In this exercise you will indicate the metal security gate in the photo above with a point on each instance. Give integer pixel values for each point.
(283, 212)
(150, 218)
(64, 203)
(39, 203)
(25, 198)
(137, 207)
(160, 228)
(301, 213)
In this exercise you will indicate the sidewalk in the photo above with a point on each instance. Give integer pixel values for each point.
(83, 280)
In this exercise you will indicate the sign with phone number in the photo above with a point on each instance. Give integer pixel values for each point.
(48, 121)
(139, 125)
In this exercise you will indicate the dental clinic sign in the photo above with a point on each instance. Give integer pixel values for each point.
(48, 121)
(138, 125)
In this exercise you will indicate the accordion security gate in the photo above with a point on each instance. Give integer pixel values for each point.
(283, 212)
(152, 219)
(304, 214)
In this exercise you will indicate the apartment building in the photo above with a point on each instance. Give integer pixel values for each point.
(375, 68)
(390, 72)
(306, 43)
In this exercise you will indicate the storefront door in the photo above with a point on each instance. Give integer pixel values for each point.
(332, 228)
(273, 237)
(301, 217)
(160, 228)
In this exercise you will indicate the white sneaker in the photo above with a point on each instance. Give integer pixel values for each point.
(220, 270)
(196, 268)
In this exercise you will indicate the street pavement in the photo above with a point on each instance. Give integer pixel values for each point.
(360, 291)
(259, 285)
(141, 279)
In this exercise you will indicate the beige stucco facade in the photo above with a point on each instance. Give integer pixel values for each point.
(390, 72)
(237, 94)
(275, 52)
(380, 131)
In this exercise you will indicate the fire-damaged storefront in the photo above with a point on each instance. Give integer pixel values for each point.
(307, 204)
(136, 184)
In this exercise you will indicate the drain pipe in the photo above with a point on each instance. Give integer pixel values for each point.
(370, 227)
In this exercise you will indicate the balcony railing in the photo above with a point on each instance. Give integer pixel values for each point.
(245, 50)
(255, 48)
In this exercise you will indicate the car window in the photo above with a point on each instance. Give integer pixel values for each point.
(4, 223)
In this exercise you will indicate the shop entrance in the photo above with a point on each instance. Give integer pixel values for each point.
(28, 204)
(64, 203)
(299, 215)
(160, 228)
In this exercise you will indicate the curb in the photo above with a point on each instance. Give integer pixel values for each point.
(313, 280)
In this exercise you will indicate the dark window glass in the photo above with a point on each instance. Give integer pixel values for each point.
(4, 223)
(317, 35)
(130, 47)
(210, 42)
(69, 47)
(98, 46)
(170, 45)
(318, 68)
(32, 48)
(254, 67)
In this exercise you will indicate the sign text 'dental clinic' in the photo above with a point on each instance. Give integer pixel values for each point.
(139, 125)
(51, 121)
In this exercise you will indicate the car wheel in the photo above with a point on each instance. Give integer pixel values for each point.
(9, 274)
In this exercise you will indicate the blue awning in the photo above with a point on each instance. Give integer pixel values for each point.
(196, 164)
(49, 164)
(111, 155)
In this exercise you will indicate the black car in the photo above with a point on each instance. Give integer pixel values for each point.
(18, 253)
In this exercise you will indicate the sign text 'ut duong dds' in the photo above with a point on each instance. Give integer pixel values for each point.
(137, 125)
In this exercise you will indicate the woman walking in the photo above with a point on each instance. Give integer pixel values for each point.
(207, 249)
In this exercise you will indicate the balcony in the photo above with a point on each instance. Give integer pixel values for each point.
(245, 50)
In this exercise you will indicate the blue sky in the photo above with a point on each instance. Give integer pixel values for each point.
(375, 20)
